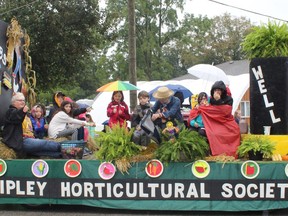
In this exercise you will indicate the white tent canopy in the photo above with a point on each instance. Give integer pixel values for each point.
(238, 86)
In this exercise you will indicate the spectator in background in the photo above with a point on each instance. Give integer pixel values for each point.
(237, 116)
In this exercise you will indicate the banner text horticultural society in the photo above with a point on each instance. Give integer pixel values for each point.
(147, 189)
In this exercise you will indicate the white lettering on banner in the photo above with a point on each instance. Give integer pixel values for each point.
(283, 188)
(264, 190)
(179, 190)
(115, 190)
(166, 195)
(145, 190)
(141, 191)
(76, 189)
(88, 189)
(261, 84)
(133, 190)
(27, 188)
(153, 187)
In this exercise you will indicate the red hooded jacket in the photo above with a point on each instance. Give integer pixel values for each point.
(118, 117)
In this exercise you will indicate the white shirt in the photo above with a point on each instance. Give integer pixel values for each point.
(59, 123)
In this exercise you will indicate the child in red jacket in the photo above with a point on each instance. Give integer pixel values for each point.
(117, 110)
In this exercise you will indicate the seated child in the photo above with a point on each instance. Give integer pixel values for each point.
(38, 121)
(139, 136)
(195, 119)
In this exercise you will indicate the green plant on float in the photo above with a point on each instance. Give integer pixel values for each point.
(267, 40)
(256, 143)
(189, 146)
(116, 144)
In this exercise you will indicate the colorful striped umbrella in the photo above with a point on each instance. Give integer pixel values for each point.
(117, 86)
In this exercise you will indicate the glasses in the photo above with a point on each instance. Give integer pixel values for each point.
(21, 100)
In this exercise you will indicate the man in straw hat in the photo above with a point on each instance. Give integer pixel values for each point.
(166, 108)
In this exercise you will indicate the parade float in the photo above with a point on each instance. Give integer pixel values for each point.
(161, 181)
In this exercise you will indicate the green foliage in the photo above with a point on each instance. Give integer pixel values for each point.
(214, 40)
(64, 35)
(75, 44)
(256, 143)
(116, 144)
(188, 146)
(270, 40)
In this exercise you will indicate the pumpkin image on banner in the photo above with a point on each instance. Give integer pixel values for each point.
(154, 168)
(200, 169)
(72, 168)
(250, 169)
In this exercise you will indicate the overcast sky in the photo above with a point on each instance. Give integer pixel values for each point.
(274, 8)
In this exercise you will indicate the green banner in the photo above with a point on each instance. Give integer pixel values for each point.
(225, 188)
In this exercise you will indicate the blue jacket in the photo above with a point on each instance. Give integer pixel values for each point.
(171, 111)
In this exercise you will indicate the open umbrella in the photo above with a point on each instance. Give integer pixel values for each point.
(117, 86)
(209, 73)
(176, 88)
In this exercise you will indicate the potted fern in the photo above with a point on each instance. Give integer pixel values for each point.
(116, 146)
(188, 146)
(267, 48)
(256, 147)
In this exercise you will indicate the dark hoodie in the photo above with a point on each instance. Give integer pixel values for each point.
(55, 107)
(225, 99)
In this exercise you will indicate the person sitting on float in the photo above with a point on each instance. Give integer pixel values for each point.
(166, 108)
(221, 129)
(140, 137)
(40, 127)
(63, 124)
(195, 120)
(57, 99)
(18, 132)
(219, 94)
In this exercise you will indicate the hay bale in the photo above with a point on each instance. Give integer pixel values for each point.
(6, 152)
(91, 144)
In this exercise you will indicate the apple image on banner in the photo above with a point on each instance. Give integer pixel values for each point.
(250, 169)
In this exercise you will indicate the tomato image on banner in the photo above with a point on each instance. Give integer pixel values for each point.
(154, 168)
(250, 169)
(200, 169)
(72, 168)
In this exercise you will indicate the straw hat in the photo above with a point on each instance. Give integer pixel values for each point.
(163, 92)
